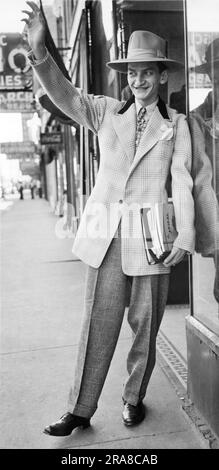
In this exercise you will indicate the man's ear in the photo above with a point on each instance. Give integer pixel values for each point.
(163, 77)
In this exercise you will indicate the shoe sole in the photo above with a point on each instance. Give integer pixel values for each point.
(82, 426)
(133, 424)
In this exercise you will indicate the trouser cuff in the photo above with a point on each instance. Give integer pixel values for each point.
(81, 410)
(131, 398)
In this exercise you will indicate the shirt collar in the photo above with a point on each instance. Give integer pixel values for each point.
(150, 108)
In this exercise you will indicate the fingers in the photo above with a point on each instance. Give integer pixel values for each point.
(170, 261)
(27, 12)
(171, 258)
(34, 7)
(32, 15)
(25, 33)
(174, 257)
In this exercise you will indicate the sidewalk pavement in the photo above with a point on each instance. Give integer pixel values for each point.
(42, 298)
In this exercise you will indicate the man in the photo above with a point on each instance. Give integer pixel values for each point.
(140, 141)
(32, 188)
(21, 189)
(204, 125)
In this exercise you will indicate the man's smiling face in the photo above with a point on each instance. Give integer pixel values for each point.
(144, 80)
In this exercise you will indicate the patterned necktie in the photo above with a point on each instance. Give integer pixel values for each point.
(141, 125)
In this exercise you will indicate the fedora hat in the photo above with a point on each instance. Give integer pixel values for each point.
(145, 46)
(211, 58)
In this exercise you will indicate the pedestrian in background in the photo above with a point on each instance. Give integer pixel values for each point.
(21, 189)
(32, 188)
(39, 188)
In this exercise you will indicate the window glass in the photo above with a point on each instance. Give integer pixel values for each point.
(203, 84)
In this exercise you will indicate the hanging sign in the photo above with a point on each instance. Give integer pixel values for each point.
(51, 138)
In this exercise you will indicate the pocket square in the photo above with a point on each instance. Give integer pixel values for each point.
(166, 132)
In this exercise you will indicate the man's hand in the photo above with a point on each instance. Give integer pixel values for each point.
(36, 30)
(176, 255)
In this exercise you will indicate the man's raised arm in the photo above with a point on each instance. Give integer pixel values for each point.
(83, 108)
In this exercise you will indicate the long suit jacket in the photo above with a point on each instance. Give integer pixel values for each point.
(127, 179)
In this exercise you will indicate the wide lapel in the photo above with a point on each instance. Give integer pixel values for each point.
(125, 127)
(150, 137)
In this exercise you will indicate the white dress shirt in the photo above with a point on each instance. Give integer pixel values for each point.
(149, 109)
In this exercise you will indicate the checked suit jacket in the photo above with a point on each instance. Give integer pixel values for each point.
(128, 179)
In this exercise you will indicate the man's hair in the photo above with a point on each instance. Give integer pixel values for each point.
(161, 66)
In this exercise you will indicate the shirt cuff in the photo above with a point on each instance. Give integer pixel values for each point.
(35, 61)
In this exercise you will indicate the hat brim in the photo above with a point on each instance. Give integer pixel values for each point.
(203, 68)
(122, 64)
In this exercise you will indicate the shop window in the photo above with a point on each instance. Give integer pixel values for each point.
(203, 86)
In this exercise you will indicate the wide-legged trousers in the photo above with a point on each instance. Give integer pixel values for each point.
(105, 302)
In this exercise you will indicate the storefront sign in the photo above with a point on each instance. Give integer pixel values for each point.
(15, 69)
(29, 167)
(51, 138)
(17, 148)
(17, 101)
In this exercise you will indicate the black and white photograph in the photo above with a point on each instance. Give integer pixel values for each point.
(109, 229)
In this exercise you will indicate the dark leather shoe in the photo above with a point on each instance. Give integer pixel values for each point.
(66, 424)
(133, 414)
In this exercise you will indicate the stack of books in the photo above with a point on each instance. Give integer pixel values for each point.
(159, 231)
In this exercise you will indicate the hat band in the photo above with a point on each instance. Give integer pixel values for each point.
(144, 54)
